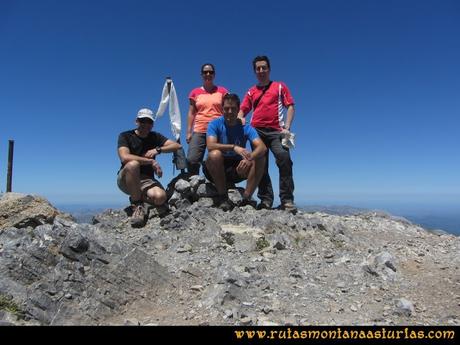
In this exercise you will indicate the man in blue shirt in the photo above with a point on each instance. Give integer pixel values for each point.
(228, 160)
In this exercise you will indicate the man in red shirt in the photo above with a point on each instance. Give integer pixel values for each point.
(268, 100)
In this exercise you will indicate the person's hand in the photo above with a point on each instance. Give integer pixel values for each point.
(157, 168)
(188, 137)
(244, 166)
(151, 153)
(285, 131)
(242, 120)
(242, 152)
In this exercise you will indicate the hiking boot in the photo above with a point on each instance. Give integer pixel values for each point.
(224, 204)
(263, 206)
(247, 201)
(289, 206)
(138, 217)
(163, 210)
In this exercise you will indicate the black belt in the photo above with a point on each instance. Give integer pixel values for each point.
(268, 129)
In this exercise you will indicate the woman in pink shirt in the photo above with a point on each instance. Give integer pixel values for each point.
(205, 106)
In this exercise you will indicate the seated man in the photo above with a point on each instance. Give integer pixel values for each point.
(228, 160)
(137, 149)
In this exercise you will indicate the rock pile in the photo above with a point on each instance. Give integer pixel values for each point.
(185, 190)
(199, 265)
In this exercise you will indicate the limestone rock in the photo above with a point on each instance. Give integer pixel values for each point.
(195, 264)
(21, 211)
(404, 307)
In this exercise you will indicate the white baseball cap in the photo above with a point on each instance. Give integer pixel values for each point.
(145, 113)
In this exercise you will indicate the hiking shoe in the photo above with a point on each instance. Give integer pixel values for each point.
(138, 217)
(289, 206)
(163, 210)
(263, 206)
(247, 201)
(224, 204)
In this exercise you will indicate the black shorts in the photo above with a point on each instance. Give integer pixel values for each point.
(231, 175)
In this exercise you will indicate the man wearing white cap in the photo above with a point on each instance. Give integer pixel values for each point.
(137, 150)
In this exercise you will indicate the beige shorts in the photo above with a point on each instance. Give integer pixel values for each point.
(147, 182)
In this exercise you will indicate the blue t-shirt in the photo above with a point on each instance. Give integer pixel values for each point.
(236, 135)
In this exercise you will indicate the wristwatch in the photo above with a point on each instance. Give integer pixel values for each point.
(158, 148)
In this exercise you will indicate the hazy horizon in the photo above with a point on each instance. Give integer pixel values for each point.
(444, 215)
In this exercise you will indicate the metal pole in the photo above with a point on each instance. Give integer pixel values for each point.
(9, 177)
(169, 81)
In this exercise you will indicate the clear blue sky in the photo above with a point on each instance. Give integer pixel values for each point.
(376, 84)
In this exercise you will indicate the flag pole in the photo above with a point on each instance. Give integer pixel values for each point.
(9, 177)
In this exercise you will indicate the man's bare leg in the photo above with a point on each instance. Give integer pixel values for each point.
(156, 196)
(215, 166)
(131, 174)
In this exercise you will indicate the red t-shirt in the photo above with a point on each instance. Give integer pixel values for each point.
(269, 111)
(208, 106)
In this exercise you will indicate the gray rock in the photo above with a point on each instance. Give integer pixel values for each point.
(207, 190)
(385, 259)
(77, 242)
(245, 321)
(205, 202)
(195, 181)
(66, 275)
(404, 307)
(20, 211)
(278, 245)
(176, 196)
(184, 249)
(182, 186)
(205, 266)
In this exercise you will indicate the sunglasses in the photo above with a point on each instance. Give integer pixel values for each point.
(144, 120)
(207, 72)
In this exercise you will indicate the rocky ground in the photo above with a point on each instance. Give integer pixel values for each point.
(198, 265)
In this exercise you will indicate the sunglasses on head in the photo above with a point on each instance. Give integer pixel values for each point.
(207, 72)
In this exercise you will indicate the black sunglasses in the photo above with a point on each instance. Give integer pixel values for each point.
(208, 72)
(144, 120)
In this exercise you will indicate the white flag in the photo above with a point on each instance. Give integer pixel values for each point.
(170, 98)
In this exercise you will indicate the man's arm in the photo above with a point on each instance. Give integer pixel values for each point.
(213, 144)
(190, 119)
(168, 146)
(259, 149)
(289, 117)
(245, 108)
(126, 156)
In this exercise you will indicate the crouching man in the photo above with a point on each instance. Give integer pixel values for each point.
(228, 160)
(137, 150)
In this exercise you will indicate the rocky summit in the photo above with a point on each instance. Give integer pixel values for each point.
(197, 265)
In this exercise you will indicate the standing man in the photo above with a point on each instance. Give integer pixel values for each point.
(267, 101)
(137, 150)
(228, 160)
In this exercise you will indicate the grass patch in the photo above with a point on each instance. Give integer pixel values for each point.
(262, 243)
(7, 304)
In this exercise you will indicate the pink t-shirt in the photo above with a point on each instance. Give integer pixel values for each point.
(208, 106)
(269, 112)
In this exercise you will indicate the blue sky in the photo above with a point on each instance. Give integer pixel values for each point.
(376, 85)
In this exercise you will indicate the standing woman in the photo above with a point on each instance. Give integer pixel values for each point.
(205, 106)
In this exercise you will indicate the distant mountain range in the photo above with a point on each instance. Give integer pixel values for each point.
(449, 222)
